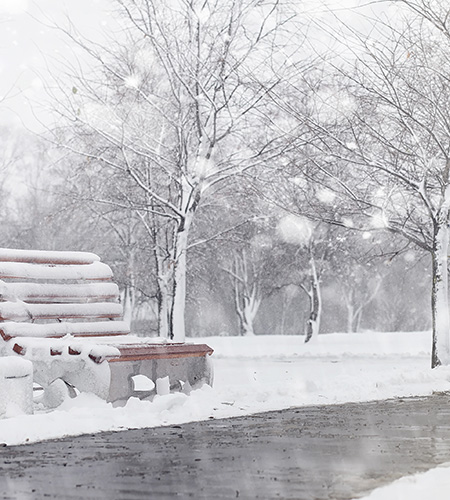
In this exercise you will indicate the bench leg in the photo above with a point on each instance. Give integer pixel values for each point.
(192, 370)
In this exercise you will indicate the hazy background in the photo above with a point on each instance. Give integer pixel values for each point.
(29, 45)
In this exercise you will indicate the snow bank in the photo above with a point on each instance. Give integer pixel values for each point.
(370, 344)
(434, 484)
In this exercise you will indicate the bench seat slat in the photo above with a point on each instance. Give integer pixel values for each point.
(19, 270)
(47, 257)
(11, 329)
(45, 292)
(138, 352)
(20, 311)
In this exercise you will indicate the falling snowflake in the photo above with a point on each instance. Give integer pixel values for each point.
(132, 81)
(295, 230)
(379, 221)
(326, 196)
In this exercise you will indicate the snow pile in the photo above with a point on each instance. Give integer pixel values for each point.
(434, 484)
(16, 387)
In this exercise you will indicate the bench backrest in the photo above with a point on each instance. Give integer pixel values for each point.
(53, 294)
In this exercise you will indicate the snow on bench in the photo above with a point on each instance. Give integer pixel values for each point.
(47, 256)
(16, 386)
(20, 270)
(62, 311)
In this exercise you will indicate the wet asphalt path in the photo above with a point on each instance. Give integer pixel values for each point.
(328, 452)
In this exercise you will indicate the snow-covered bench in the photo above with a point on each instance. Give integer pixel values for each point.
(61, 310)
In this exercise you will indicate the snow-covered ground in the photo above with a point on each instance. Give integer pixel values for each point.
(434, 484)
(261, 373)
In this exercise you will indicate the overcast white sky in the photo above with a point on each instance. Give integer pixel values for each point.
(27, 46)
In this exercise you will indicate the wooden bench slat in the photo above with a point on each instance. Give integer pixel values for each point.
(19, 270)
(47, 257)
(45, 292)
(138, 352)
(11, 329)
(20, 311)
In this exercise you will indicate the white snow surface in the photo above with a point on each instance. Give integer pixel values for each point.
(57, 329)
(434, 484)
(55, 257)
(263, 373)
(18, 270)
(16, 386)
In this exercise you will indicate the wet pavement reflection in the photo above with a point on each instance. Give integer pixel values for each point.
(322, 452)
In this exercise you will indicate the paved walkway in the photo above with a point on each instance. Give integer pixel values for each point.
(329, 452)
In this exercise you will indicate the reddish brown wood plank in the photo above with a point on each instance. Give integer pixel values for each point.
(37, 293)
(160, 351)
(19, 349)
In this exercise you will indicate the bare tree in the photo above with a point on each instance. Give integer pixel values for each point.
(247, 293)
(382, 144)
(171, 107)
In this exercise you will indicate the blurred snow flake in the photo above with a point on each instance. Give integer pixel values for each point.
(379, 221)
(298, 181)
(100, 117)
(261, 242)
(132, 81)
(347, 222)
(203, 166)
(295, 230)
(409, 256)
(203, 13)
(326, 196)
(13, 6)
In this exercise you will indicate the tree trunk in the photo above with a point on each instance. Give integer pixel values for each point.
(358, 319)
(315, 301)
(250, 308)
(163, 297)
(177, 317)
(129, 292)
(128, 304)
(439, 295)
(349, 300)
